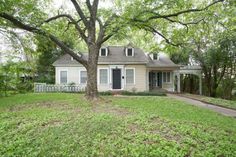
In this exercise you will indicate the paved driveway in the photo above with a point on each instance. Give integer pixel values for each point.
(221, 110)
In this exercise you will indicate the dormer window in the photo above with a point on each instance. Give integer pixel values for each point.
(103, 52)
(129, 52)
(155, 56)
(72, 58)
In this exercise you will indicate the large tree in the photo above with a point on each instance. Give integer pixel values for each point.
(96, 25)
(211, 44)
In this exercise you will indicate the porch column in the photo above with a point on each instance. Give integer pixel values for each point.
(178, 84)
(147, 80)
(200, 84)
(173, 80)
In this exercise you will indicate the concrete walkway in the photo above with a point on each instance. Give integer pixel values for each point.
(221, 110)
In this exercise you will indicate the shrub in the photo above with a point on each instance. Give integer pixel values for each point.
(143, 93)
(105, 93)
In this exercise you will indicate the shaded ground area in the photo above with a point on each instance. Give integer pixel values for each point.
(69, 125)
(221, 110)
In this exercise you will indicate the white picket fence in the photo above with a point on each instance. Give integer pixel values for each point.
(43, 87)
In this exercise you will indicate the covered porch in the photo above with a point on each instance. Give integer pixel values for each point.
(169, 80)
(160, 79)
(188, 70)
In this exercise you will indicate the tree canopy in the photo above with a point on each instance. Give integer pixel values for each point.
(90, 24)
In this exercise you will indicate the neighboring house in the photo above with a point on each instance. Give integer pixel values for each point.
(121, 68)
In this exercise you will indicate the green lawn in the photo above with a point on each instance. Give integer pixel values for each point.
(68, 125)
(217, 101)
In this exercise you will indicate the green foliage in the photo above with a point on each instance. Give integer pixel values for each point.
(47, 54)
(154, 93)
(14, 78)
(68, 125)
(105, 93)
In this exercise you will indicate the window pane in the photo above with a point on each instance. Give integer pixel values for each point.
(83, 77)
(63, 77)
(103, 52)
(155, 56)
(168, 76)
(164, 76)
(103, 76)
(130, 51)
(129, 76)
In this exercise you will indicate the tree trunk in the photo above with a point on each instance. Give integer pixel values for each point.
(213, 91)
(92, 91)
(214, 82)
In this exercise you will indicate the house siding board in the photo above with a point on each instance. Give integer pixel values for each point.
(168, 85)
(72, 74)
(103, 87)
(140, 78)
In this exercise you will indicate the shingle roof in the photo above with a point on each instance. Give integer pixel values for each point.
(163, 61)
(66, 60)
(116, 55)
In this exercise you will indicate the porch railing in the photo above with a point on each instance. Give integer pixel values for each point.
(43, 87)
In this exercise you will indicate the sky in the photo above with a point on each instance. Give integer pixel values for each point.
(69, 5)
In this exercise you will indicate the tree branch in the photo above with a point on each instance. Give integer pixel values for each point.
(89, 6)
(59, 16)
(158, 16)
(95, 8)
(101, 39)
(80, 12)
(153, 30)
(101, 31)
(165, 38)
(105, 38)
(35, 30)
(184, 23)
(71, 21)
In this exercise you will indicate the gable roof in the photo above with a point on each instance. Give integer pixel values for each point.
(163, 61)
(65, 60)
(116, 55)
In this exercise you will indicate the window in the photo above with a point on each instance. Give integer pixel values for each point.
(63, 77)
(103, 52)
(166, 77)
(72, 58)
(83, 77)
(103, 76)
(129, 52)
(129, 76)
(155, 56)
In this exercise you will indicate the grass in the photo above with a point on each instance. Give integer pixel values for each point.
(217, 101)
(67, 125)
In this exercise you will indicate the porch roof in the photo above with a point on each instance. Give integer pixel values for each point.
(162, 63)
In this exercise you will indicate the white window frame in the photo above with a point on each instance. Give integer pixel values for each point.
(80, 76)
(126, 51)
(99, 81)
(134, 76)
(60, 76)
(100, 51)
(165, 81)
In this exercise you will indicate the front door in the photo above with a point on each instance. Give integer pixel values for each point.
(155, 80)
(116, 78)
(159, 77)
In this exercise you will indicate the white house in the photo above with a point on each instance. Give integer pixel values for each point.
(121, 68)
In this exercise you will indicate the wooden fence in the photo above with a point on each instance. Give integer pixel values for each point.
(43, 87)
